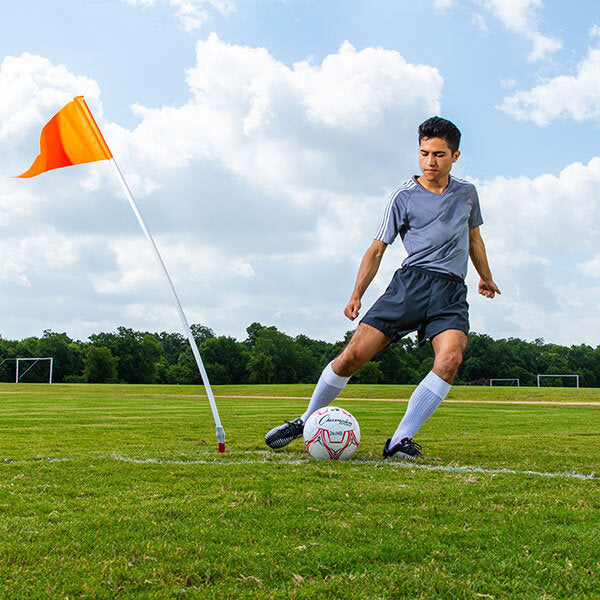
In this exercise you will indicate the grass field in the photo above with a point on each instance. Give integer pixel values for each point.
(118, 492)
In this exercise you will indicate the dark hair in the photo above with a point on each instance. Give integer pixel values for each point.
(436, 127)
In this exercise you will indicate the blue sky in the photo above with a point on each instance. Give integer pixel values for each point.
(139, 54)
(262, 173)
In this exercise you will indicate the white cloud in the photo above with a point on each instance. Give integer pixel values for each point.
(267, 176)
(296, 131)
(46, 250)
(594, 30)
(547, 205)
(13, 271)
(263, 194)
(40, 87)
(576, 96)
(480, 23)
(242, 267)
(542, 46)
(443, 4)
(541, 239)
(591, 267)
(521, 17)
(191, 14)
(517, 15)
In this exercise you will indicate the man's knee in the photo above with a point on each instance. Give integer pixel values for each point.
(448, 362)
(365, 343)
(349, 361)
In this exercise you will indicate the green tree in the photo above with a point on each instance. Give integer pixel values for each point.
(201, 333)
(227, 353)
(182, 374)
(138, 353)
(472, 369)
(100, 366)
(261, 368)
(292, 362)
(368, 373)
(66, 355)
(398, 363)
(173, 344)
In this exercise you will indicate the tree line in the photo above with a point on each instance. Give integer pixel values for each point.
(268, 355)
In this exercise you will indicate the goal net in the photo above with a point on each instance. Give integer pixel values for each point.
(558, 380)
(505, 381)
(22, 369)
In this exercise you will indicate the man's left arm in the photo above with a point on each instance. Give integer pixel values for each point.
(486, 287)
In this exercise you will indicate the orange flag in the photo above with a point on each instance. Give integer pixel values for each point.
(71, 137)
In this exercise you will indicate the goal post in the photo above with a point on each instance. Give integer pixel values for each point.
(511, 379)
(558, 375)
(34, 361)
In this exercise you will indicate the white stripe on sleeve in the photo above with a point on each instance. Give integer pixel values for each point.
(387, 215)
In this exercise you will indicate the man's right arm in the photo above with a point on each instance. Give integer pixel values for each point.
(367, 270)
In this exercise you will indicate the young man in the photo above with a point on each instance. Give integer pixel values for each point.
(438, 218)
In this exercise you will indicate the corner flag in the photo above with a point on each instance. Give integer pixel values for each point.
(72, 137)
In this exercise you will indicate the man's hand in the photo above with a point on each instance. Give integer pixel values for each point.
(351, 311)
(488, 288)
(367, 270)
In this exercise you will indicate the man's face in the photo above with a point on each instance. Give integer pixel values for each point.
(436, 159)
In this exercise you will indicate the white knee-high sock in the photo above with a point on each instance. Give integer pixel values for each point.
(327, 390)
(424, 400)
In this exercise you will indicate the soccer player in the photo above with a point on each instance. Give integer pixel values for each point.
(438, 218)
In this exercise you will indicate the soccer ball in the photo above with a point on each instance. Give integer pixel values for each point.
(331, 433)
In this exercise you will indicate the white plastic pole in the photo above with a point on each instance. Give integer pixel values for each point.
(184, 322)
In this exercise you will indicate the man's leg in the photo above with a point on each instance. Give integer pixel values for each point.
(448, 348)
(365, 343)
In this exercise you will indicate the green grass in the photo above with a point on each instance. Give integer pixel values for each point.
(256, 524)
(529, 394)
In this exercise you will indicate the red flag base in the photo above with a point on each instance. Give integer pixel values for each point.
(221, 447)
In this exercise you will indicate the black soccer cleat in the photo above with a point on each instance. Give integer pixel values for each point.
(282, 435)
(406, 449)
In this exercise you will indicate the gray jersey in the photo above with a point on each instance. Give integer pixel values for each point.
(434, 227)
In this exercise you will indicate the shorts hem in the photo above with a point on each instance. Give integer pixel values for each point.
(429, 335)
(381, 326)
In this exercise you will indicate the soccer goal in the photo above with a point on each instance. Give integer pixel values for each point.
(19, 375)
(539, 377)
(506, 381)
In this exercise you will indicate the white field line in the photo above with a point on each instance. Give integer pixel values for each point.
(286, 459)
(200, 461)
(342, 398)
(458, 469)
(273, 459)
(19, 461)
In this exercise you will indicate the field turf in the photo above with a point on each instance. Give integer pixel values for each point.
(118, 492)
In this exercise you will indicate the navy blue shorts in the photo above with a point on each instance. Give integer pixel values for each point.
(420, 300)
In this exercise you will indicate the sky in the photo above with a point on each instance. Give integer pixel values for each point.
(261, 140)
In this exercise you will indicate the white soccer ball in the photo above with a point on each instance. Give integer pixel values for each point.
(331, 433)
